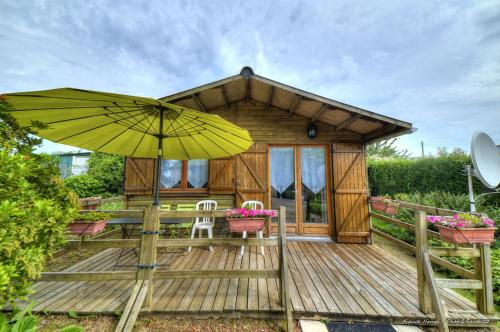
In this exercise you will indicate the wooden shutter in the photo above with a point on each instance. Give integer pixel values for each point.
(251, 175)
(139, 176)
(351, 193)
(221, 176)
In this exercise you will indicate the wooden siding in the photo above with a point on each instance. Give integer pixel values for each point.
(350, 185)
(245, 176)
(139, 176)
(251, 175)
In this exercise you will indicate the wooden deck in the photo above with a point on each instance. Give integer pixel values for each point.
(330, 281)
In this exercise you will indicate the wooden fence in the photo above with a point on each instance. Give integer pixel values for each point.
(428, 295)
(145, 275)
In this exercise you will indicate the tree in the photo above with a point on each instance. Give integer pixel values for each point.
(386, 149)
(14, 138)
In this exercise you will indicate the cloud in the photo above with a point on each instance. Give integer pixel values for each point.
(435, 64)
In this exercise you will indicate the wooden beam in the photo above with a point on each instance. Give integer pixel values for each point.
(321, 110)
(421, 252)
(87, 276)
(431, 284)
(402, 224)
(349, 121)
(484, 297)
(455, 252)
(270, 99)
(249, 90)
(427, 209)
(398, 242)
(332, 102)
(452, 267)
(224, 96)
(294, 105)
(180, 243)
(102, 244)
(119, 213)
(214, 274)
(379, 131)
(133, 307)
(459, 283)
(199, 103)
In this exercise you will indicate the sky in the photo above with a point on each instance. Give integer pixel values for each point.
(435, 64)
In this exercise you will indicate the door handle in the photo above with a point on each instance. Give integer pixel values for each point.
(237, 182)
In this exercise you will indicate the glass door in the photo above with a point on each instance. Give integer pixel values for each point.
(299, 181)
(283, 186)
(313, 187)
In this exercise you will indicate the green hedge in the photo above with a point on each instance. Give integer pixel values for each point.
(392, 176)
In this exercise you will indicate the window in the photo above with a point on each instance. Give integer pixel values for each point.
(184, 174)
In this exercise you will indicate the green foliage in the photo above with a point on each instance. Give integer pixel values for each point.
(85, 185)
(14, 138)
(104, 177)
(19, 321)
(392, 176)
(386, 149)
(35, 208)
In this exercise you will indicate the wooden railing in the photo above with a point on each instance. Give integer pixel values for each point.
(428, 286)
(145, 275)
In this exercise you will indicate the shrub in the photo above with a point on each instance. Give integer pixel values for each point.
(445, 174)
(85, 185)
(35, 208)
(104, 177)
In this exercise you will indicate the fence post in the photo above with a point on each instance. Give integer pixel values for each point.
(424, 295)
(284, 291)
(482, 264)
(147, 254)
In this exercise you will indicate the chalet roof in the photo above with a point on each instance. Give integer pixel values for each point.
(249, 86)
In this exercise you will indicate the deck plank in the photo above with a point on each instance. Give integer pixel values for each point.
(326, 280)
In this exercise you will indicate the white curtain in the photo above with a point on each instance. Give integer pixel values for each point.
(312, 161)
(171, 173)
(198, 173)
(282, 168)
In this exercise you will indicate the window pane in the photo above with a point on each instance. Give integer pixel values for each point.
(197, 173)
(314, 204)
(171, 173)
(283, 181)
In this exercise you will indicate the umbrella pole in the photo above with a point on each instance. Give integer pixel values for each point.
(158, 161)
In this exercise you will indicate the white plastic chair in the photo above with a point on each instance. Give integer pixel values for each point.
(202, 223)
(254, 205)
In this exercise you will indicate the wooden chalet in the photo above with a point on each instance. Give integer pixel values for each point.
(309, 155)
(308, 163)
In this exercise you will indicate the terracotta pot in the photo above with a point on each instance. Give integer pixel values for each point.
(384, 207)
(467, 235)
(238, 225)
(86, 228)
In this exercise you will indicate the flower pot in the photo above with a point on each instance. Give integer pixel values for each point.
(87, 228)
(238, 225)
(384, 207)
(467, 235)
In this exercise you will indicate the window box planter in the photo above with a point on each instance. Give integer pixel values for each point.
(384, 205)
(86, 228)
(467, 235)
(239, 225)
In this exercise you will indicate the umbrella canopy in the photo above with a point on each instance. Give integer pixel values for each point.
(127, 125)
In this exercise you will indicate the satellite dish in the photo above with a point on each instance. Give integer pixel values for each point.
(486, 159)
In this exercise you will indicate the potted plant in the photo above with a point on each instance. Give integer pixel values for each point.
(249, 220)
(89, 223)
(89, 203)
(464, 228)
(384, 204)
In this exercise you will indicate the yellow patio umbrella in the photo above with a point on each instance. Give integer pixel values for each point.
(127, 125)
